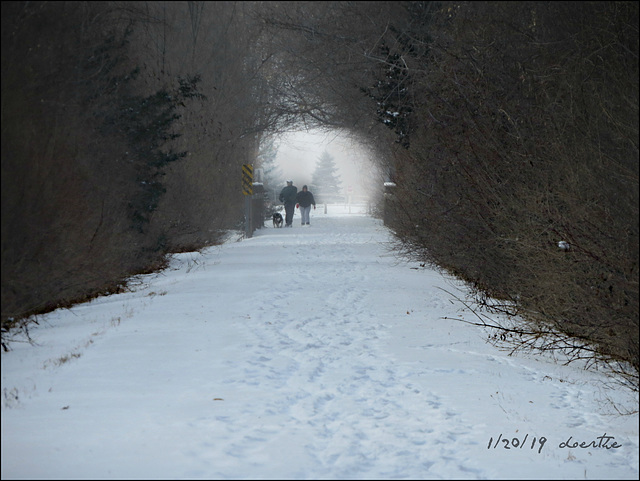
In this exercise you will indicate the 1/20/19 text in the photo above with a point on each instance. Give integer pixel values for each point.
(600, 442)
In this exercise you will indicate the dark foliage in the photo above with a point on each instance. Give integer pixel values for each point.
(526, 133)
(92, 133)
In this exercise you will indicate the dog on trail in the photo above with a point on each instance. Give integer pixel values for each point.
(277, 219)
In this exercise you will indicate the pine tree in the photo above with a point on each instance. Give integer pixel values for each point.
(326, 181)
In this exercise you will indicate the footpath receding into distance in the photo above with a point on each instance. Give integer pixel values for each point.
(304, 353)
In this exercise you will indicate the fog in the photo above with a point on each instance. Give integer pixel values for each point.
(298, 153)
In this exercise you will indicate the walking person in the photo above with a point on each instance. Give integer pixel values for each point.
(288, 198)
(304, 201)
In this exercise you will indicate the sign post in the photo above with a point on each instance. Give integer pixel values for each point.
(247, 190)
(247, 179)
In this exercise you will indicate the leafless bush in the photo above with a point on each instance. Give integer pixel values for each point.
(517, 146)
(112, 156)
(514, 330)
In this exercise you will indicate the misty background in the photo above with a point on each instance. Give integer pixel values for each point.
(298, 153)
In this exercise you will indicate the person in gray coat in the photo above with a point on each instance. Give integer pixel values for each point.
(304, 201)
(288, 198)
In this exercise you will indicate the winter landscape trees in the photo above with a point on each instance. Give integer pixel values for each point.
(507, 128)
(509, 156)
(326, 181)
(122, 125)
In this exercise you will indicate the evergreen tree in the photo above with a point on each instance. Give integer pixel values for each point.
(325, 180)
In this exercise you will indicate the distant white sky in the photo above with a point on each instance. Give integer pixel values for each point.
(298, 153)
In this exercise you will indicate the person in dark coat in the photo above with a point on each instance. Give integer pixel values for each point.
(288, 198)
(304, 201)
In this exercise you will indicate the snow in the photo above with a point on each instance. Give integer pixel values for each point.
(305, 353)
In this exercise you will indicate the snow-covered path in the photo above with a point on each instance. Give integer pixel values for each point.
(310, 352)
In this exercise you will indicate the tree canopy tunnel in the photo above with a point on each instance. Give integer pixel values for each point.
(507, 128)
